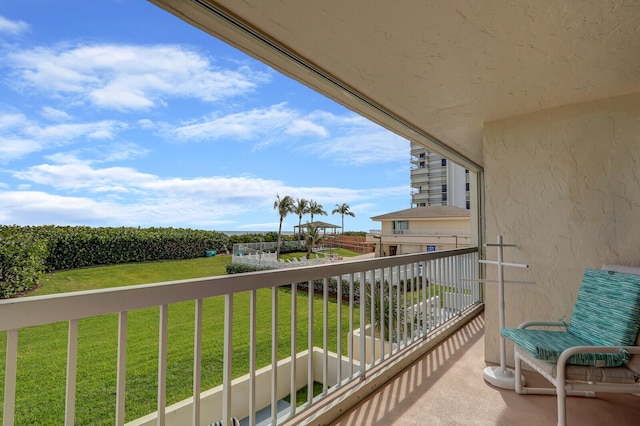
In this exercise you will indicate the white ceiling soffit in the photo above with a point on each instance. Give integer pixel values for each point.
(435, 71)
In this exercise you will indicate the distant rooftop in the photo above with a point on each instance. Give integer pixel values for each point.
(425, 213)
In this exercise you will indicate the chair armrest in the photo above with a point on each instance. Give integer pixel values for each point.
(542, 324)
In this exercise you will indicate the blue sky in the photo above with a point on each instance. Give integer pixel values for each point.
(116, 113)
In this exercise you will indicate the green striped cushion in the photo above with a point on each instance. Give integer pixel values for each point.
(548, 345)
(607, 310)
(606, 313)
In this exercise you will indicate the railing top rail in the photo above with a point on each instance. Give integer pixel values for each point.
(68, 306)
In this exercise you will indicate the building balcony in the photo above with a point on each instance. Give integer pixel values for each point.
(446, 387)
(276, 336)
(428, 372)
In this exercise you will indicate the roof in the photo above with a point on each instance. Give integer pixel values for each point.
(319, 224)
(425, 213)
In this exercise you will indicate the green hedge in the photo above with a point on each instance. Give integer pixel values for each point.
(77, 247)
(22, 260)
(239, 268)
(25, 252)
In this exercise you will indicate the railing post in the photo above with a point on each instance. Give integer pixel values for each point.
(122, 368)
(325, 336)
(72, 363)
(252, 357)
(10, 375)
(227, 358)
(363, 334)
(294, 345)
(162, 364)
(310, 292)
(197, 361)
(274, 355)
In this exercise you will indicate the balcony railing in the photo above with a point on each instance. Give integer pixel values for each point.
(370, 310)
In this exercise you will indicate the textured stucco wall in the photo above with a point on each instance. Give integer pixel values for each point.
(564, 186)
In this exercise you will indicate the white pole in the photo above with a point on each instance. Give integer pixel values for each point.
(501, 377)
(503, 365)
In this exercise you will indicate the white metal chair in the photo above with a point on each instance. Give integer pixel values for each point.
(598, 350)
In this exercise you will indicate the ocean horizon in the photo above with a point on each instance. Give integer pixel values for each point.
(230, 233)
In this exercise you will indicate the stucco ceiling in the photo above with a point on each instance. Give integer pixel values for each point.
(435, 71)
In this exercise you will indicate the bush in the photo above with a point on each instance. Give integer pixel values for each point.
(239, 268)
(70, 247)
(22, 261)
(355, 233)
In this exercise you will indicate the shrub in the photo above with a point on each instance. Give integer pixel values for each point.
(70, 247)
(22, 261)
(239, 268)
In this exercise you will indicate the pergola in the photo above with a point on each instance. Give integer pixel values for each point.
(318, 224)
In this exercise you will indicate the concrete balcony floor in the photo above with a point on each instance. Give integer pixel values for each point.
(445, 387)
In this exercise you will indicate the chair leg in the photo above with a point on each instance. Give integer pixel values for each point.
(561, 396)
(518, 373)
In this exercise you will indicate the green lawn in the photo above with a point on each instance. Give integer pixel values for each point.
(42, 350)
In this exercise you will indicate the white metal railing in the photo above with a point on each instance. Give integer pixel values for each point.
(384, 306)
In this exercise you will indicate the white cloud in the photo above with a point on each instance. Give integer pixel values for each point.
(14, 148)
(366, 148)
(55, 114)
(129, 77)
(304, 127)
(20, 136)
(83, 193)
(264, 124)
(12, 27)
(121, 151)
(358, 140)
(145, 123)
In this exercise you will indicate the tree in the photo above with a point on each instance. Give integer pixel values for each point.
(284, 206)
(311, 237)
(315, 208)
(342, 210)
(301, 208)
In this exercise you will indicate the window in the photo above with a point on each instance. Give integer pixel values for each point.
(400, 225)
(423, 155)
(468, 204)
(444, 162)
(444, 188)
(444, 198)
(467, 186)
(422, 164)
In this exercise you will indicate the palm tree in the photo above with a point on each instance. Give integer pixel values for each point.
(315, 208)
(301, 208)
(311, 238)
(284, 206)
(342, 210)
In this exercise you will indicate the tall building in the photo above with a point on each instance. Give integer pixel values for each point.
(436, 181)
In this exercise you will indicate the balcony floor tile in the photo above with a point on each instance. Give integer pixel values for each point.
(445, 387)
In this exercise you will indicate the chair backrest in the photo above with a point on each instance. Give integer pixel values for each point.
(607, 310)
(634, 362)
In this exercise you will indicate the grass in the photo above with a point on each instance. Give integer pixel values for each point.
(42, 350)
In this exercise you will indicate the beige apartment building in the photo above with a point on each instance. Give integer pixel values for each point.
(420, 229)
